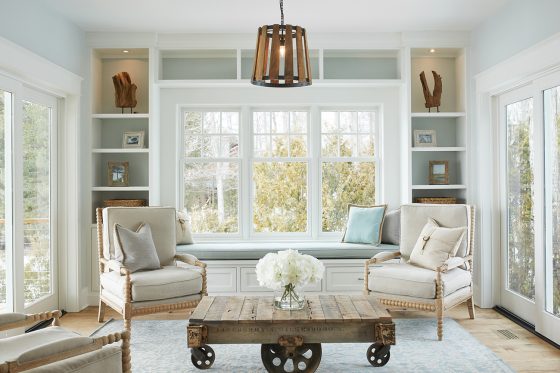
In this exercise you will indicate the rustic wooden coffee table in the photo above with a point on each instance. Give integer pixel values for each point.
(291, 340)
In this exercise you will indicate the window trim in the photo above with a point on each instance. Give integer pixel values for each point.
(182, 159)
(252, 159)
(246, 159)
(376, 111)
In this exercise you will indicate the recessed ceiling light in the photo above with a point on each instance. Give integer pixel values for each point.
(432, 50)
(125, 51)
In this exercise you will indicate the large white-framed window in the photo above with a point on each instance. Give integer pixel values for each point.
(348, 164)
(278, 173)
(211, 170)
(280, 166)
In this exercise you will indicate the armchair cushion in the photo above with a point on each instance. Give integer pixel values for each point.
(106, 360)
(162, 224)
(168, 282)
(414, 216)
(135, 249)
(435, 245)
(184, 235)
(408, 280)
(39, 344)
(10, 317)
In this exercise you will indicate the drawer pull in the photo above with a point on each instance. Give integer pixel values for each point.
(360, 279)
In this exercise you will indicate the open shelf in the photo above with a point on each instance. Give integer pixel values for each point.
(121, 116)
(438, 115)
(439, 187)
(118, 151)
(439, 149)
(121, 189)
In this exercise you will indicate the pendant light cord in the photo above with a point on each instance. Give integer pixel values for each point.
(282, 12)
(282, 38)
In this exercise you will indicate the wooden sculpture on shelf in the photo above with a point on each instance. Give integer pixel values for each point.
(432, 100)
(125, 91)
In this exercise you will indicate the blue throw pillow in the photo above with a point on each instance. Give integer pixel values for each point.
(364, 224)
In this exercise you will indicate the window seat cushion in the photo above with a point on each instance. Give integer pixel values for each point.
(256, 250)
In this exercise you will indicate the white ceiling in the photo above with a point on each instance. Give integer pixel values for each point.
(246, 15)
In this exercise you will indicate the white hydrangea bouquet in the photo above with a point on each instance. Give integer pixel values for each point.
(287, 272)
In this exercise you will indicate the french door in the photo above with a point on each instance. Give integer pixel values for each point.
(28, 120)
(530, 192)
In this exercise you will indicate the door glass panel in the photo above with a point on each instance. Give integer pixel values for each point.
(552, 265)
(5, 122)
(520, 197)
(37, 202)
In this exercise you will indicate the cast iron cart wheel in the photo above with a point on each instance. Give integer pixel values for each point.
(202, 357)
(378, 354)
(301, 359)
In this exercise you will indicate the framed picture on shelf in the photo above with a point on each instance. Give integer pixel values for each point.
(439, 172)
(424, 138)
(133, 139)
(117, 174)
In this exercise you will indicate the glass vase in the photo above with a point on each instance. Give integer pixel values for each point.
(289, 298)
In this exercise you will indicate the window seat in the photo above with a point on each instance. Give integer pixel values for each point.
(256, 250)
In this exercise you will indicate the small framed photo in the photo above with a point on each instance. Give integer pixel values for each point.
(425, 138)
(439, 172)
(117, 174)
(133, 139)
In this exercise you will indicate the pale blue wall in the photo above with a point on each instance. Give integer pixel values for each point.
(38, 28)
(517, 26)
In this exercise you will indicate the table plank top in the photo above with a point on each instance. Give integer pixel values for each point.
(317, 309)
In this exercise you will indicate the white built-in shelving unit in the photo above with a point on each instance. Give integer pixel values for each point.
(108, 124)
(450, 123)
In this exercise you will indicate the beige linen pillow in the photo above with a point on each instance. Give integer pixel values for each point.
(435, 245)
(137, 248)
(183, 226)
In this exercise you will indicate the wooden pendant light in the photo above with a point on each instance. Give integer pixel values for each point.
(274, 56)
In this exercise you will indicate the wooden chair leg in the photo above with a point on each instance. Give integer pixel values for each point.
(101, 313)
(126, 366)
(470, 307)
(439, 316)
(127, 323)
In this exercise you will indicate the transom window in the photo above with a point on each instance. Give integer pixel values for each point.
(275, 172)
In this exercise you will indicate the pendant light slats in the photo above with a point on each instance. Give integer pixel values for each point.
(307, 63)
(275, 54)
(256, 52)
(289, 56)
(299, 48)
(260, 53)
(266, 53)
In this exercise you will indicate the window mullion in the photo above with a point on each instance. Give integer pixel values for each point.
(314, 131)
(245, 205)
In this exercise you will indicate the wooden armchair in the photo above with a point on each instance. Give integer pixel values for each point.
(179, 284)
(54, 349)
(402, 285)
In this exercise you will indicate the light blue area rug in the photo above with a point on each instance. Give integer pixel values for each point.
(161, 346)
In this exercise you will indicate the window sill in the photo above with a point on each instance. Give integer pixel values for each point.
(252, 250)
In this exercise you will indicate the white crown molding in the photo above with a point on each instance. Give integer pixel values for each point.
(121, 39)
(28, 67)
(521, 68)
(436, 39)
(374, 40)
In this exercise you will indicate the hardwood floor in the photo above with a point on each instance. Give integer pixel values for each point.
(527, 353)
